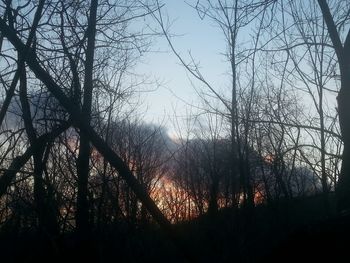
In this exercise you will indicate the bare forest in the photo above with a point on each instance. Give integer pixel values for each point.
(257, 170)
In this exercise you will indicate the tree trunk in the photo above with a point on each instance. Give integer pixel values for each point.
(343, 187)
(213, 196)
(80, 122)
(82, 215)
(343, 56)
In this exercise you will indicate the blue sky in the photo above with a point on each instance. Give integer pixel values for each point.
(205, 43)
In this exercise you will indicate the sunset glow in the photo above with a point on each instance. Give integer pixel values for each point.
(174, 131)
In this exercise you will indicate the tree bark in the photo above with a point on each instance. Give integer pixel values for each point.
(343, 56)
(82, 213)
(213, 198)
(343, 186)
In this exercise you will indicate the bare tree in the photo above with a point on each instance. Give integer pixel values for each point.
(342, 51)
(231, 18)
(50, 78)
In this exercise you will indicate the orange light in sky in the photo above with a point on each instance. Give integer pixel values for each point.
(174, 201)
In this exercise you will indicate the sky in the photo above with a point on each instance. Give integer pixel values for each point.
(203, 40)
(206, 43)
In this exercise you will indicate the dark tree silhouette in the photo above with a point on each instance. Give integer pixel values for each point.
(253, 170)
(342, 51)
